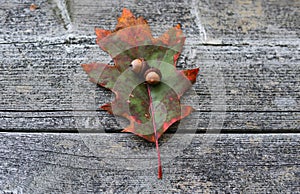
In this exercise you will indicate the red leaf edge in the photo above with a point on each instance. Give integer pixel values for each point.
(191, 74)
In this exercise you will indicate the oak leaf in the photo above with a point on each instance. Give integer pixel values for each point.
(151, 109)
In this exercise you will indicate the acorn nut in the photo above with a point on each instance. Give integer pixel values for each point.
(152, 76)
(139, 66)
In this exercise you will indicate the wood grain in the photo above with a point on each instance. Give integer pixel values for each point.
(96, 163)
(248, 54)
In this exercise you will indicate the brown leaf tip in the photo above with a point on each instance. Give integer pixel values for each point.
(178, 26)
(127, 19)
(88, 68)
(126, 13)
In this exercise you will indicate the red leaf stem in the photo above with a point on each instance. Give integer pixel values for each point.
(152, 111)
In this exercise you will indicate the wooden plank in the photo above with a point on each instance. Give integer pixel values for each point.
(113, 163)
(235, 21)
(47, 77)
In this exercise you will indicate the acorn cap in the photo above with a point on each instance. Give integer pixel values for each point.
(153, 76)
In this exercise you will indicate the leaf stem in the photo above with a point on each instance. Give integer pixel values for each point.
(152, 110)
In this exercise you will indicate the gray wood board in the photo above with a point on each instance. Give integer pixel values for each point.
(233, 22)
(39, 76)
(114, 163)
(248, 56)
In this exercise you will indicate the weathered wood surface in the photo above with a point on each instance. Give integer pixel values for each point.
(249, 62)
(248, 54)
(97, 163)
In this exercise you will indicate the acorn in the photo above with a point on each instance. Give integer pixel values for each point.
(139, 66)
(152, 76)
